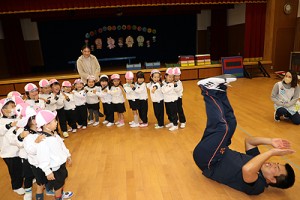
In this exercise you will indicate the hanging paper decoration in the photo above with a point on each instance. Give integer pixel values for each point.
(140, 39)
(124, 27)
(148, 43)
(110, 43)
(119, 27)
(154, 39)
(129, 41)
(120, 42)
(98, 43)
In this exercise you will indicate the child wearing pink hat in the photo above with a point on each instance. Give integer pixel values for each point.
(9, 152)
(69, 106)
(170, 99)
(92, 100)
(80, 103)
(32, 96)
(179, 90)
(118, 100)
(157, 97)
(132, 97)
(141, 90)
(47, 95)
(52, 154)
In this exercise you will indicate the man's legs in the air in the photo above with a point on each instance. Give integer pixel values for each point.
(220, 125)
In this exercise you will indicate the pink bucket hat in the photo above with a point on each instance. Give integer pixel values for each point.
(115, 76)
(176, 71)
(44, 83)
(155, 71)
(66, 84)
(53, 81)
(26, 111)
(78, 81)
(129, 75)
(30, 87)
(14, 93)
(91, 77)
(44, 117)
(170, 71)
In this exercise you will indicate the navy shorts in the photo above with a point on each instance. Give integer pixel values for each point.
(60, 176)
(133, 104)
(119, 107)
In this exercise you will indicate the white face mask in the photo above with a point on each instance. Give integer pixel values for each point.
(287, 80)
(11, 113)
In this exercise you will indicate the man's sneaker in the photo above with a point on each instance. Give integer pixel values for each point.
(65, 134)
(143, 124)
(169, 125)
(182, 125)
(83, 127)
(50, 192)
(109, 124)
(74, 130)
(158, 127)
(90, 122)
(101, 114)
(105, 122)
(276, 118)
(96, 124)
(67, 195)
(134, 125)
(79, 126)
(120, 124)
(20, 191)
(173, 128)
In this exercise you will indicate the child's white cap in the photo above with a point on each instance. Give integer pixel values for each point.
(170, 71)
(44, 83)
(30, 87)
(66, 84)
(78, 81)
(155, 71)
(115, 76)
(129, 75)
(26, 111)
(91, 77)
(44, 117)
(103, 76)
(176, 71)
(14, 93)
(15, 99)
(53, 81)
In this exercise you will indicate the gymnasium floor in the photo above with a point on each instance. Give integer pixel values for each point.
(147, 164)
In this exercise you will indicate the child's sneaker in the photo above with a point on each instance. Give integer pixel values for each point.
(173, 128)
(169, 125)
(132, 122)
(134, 125)
(50, 192)
(143, 125)
(182, 125)
(79, 126)
(96, 124)
(90, 122)
(83, 127)
(74, 130)
(28, 194)
(65, 134)
(67, 195)
(70, 130)
(117, 122)
(120, 124)
(105, 122)
(20, 191)
(109, 124)
(158, 127)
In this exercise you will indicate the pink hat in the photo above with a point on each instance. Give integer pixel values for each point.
(14, 93)
(17, 100)
(129, 75)
(103, 76)
(176, 71)
(30, 87)
(26, 111)
(53, 81)
(170, 71)
(155, 71)
(115, 76)
(91, 77)
(3, 102)
(44, 83)
(66, 84)
(44, 117)
(78, 81)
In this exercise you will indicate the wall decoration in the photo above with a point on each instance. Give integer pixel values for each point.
(110, 43)
(98, 43)
(120, 42)
(140, 39)
(129, 41)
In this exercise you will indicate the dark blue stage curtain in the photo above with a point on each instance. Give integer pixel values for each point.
(23, 6)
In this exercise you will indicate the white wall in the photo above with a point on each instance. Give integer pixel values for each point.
(1, 31)
(203, 20)
(29, 29)
(236, 15)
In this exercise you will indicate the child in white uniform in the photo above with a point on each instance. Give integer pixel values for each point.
(141, 90)
(69, 106)
(92, 100)
(32, 96)
(179, 90)
(106, 100)
(80, 102)
(46, 95)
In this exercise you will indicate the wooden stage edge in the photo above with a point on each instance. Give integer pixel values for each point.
(187, 73)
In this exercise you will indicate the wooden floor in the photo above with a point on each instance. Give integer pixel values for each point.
(148, 164)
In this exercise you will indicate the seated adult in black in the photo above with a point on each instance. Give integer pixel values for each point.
(250, 172)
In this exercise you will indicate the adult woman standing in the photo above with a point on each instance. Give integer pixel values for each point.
(285, 95)
(88, 65)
